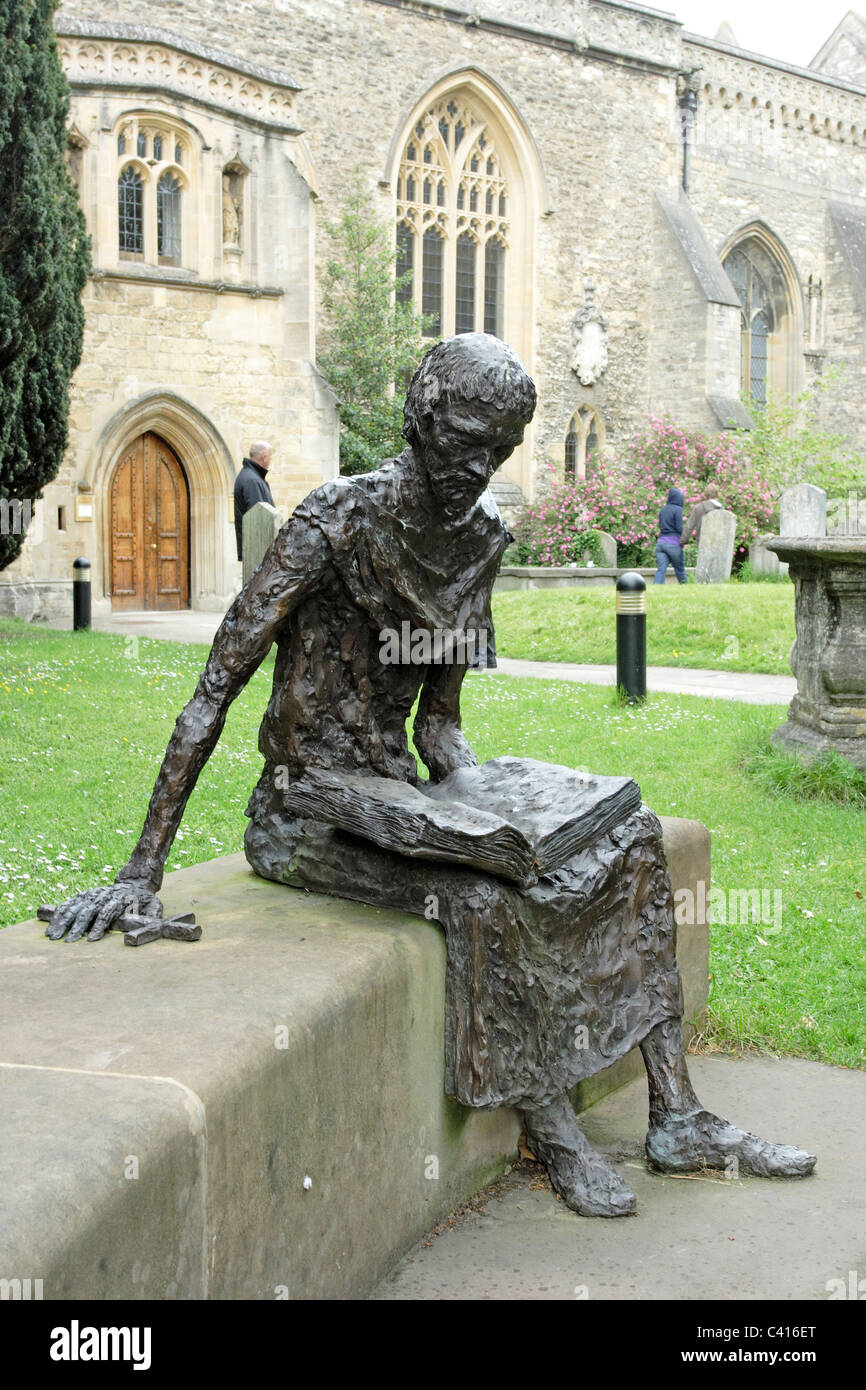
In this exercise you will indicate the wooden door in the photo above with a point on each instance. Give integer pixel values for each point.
(149, 511)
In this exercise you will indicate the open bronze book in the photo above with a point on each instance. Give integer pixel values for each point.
(512, 816)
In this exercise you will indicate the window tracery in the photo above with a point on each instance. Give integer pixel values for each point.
(151, 188)
(452, 221)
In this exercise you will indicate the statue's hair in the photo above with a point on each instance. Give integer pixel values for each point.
(470, 367)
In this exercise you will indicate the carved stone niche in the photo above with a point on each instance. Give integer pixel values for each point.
(829, 656)
(589, 336)
(234, 176)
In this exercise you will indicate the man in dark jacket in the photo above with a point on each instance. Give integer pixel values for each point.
(251, 486)
(669, 548)
(697, 514)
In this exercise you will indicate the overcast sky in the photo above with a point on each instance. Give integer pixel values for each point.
(792, 30)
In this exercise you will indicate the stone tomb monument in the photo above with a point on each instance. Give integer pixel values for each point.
(551, 885)
(716, 547)
(829, 654)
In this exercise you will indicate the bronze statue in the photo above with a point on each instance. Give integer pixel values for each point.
(548, 980)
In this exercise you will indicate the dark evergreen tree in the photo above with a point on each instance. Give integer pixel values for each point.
(44, 260)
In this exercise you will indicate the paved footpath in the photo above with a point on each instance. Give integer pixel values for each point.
(693, 1237)
(718, 685)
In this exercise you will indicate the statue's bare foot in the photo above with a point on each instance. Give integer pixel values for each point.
(586, 1182)
(687, 1143)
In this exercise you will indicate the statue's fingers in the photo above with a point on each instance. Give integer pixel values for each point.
(83, 918)
(114, 908)
(63, 918)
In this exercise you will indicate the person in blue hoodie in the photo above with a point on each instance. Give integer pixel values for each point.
(669, 549)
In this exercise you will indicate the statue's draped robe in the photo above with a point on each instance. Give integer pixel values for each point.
(545, 986)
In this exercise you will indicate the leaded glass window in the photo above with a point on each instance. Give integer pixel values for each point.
(130, 213)
(759, 290)
(141, 145)
(405, 266)
(431, 280)
(571, 447)
(168, 220)
(464, 317)
(157, 147)
(494, 287)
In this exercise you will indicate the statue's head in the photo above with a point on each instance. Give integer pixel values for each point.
(467, 407)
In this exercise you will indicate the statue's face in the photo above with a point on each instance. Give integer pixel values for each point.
(464, 446)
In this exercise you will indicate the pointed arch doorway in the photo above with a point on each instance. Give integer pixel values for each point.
(149, 528)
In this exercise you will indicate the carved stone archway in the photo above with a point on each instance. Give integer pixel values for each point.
(210, 473)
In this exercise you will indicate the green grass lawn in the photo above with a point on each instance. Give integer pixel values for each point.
(734, 627)
(84, 719)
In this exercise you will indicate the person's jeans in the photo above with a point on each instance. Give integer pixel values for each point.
(668, 553)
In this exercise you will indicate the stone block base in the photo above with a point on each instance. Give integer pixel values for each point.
(809, 745)
(255, 1116)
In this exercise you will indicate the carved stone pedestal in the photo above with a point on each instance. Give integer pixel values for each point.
(829, 656)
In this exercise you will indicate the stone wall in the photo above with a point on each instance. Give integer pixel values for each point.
(588, 90)
(209, 354)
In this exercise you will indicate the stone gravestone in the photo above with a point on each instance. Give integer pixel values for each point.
(802, 513)
(716, 547)
(761, 558)
(261, 524)
(608, 551)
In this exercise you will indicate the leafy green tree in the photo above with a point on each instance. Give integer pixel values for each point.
(372, 339)
(789, 446)
(44, 259)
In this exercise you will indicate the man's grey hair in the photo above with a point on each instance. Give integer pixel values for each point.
(258, 450)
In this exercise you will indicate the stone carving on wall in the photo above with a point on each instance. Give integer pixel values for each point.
(589, 335)
(146, 64)
(639, 35)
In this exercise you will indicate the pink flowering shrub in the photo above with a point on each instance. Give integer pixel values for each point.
(624, 495)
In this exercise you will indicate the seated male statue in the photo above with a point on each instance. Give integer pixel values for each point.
(546, 984)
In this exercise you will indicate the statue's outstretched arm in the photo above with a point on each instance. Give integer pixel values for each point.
(437, 734)
(289, 571)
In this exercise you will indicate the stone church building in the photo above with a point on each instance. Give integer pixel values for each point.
(654, 220)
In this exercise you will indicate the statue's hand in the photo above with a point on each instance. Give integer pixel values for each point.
(94, 911)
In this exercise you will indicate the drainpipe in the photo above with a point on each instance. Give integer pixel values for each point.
(687, 97)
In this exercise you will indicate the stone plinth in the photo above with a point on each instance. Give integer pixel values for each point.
(716, 547)
(260, 1115)
(829, 655)
(260, 525)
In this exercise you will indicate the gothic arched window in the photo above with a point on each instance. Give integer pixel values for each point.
(768, 344)
(463, 232)
(584, 438)
(150, 190)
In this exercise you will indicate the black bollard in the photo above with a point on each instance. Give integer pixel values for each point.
(81, 595)
(631, 636)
